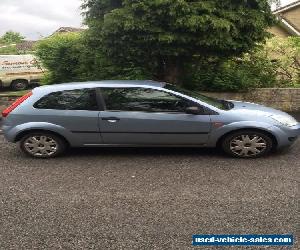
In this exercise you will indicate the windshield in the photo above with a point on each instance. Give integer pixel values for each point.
(220, 104)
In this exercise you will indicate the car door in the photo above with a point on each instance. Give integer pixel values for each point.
(145, 116)
(77, 111)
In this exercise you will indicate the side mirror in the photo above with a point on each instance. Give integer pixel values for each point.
(194, 110)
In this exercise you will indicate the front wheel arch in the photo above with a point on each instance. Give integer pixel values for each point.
(274, 140)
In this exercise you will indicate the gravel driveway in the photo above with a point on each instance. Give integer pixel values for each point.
(142, 198)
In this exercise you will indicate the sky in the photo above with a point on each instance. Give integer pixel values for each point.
(39, 18)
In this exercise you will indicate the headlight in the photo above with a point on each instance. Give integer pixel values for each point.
(285, 120)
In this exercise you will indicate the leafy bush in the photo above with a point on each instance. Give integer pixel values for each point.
(60, 55)
(234, 75)
(275, 64)
(72, 57)
(69, 58)
(285, 54)
(8, 50)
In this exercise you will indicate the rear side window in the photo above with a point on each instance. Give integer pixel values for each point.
(79, 99)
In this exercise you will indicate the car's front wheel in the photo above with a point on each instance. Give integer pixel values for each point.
(247, 144)
(42, 145)
(18, 85)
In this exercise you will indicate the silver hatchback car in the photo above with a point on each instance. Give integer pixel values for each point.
(142, 114)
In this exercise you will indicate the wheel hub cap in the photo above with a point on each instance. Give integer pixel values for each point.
(248, 145)
(20, 85)
(41, 145)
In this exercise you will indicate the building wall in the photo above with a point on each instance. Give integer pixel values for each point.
(293, 17)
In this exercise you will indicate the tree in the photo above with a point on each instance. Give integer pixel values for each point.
(11, 37)
(69, 58)
(60, 54)
(8, 50)
(165, 36)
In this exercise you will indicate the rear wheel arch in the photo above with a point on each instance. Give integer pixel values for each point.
(19, 79)
(274, 139)
(26, 132)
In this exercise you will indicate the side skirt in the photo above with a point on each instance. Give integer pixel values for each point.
(144, 146)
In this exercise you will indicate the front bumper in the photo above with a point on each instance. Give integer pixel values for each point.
(286, 136)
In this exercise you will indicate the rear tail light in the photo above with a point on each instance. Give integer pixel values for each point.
(6, 112)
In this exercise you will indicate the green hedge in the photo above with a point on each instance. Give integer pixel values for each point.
(69, 57)
(275, 64)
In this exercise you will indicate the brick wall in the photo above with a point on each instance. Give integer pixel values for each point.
(285, 99)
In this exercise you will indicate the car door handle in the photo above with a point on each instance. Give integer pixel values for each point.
(111, 119)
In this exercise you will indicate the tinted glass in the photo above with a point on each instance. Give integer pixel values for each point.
(209, 100)
(79, 99)
(144, 100)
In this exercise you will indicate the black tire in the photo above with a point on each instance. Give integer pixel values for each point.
(57, 142)
(19, 85)
(35, 84)
(231, 144)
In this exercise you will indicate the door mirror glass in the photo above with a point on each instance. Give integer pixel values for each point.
(195, 110)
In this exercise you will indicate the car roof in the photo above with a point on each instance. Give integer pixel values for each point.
(97, 84)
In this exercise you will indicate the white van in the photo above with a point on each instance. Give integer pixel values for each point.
(19, 71)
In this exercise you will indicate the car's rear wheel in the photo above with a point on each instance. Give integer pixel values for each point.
(42, 145)
(247, 144)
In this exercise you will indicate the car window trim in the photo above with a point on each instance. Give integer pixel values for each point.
(146, 112)
(100, 100)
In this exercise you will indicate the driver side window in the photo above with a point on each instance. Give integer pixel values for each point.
(143, 100)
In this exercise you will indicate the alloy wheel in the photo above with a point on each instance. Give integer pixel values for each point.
(248, 145)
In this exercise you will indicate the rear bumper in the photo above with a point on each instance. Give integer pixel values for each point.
(6, 132)
(1, 129)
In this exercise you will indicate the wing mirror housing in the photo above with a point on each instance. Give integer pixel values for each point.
(194, 110)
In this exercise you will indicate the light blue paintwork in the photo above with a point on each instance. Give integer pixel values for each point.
(141, 128)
